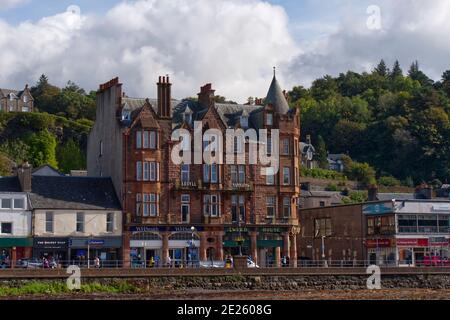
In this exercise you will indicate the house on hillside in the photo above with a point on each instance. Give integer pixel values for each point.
(16, 100)
(308, 151)
(335, 162)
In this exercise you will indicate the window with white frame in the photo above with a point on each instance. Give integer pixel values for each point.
(286, 207)
(138, 139)
(237, 208)
(49, 216)
(149, 204)
(238, 144)
(80, 222)
(271, 206)
(7, 203)
(210, 174)
(286, 146)
(6, 228)
(139, 171)
(286, 176)
(110, 222)
(269, 145)
(211, 205)
(153, 141)
(185, 173)
(185, 208)
(237, 173)
(147, 171)
(146, 139)
(270, 177)
(19, 203)
(269, 119)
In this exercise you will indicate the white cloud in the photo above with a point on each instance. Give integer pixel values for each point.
(411, 30)
(8, 4)
(232, 44)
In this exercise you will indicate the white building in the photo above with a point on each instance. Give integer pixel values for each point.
(15, 221)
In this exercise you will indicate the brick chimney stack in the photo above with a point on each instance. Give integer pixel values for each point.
(308, 139)
(206, 96)
(164, 97)
(24, 175)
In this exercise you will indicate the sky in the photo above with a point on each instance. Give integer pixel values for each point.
(232, 44)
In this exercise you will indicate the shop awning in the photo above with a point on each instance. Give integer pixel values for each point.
(15, 242)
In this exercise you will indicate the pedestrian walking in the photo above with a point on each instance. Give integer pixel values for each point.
(97, 262)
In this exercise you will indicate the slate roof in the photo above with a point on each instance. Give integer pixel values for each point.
(276, 97)
(6, 92)
(396, 196)
(10, 184)
(304, 147)
(229, 113)
(77, 193)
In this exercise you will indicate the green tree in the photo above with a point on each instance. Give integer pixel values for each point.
(70, 157)
(381, 69)
(322, 153)
(396, 71)
(42, 148)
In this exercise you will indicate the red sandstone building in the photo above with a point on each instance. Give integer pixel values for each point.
(191, 212)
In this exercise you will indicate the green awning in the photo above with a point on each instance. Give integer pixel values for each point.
(15, 242)
(270, 243)
(234, 244)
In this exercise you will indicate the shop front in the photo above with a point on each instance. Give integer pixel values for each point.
(236, 241)
(411, 250)
(54, 249)
(267, 246)
(381, 251)
(149, 245)
(13, 249)
(107, 249)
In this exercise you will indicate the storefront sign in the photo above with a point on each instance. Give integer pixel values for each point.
(51, 243)
(96, 242)
(162, 229)
(378, 208)
(378, 243)
(441, 207)
(271, 230)
(412, 242)
(236, 229)
(438, 241)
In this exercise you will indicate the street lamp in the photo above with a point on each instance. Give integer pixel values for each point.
(240, 235)
(192, 246)
(323, 252)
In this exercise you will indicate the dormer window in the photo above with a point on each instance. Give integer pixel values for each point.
(188, 115)
(244, 121)
(11, 97)
(126, 115)
(25, 99)
(269, 119)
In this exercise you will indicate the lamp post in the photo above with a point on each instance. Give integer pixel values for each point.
(192, 246)
(240, 235)
(323, 252)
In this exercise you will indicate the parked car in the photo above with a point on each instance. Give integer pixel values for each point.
(434, 261)
(31, 263)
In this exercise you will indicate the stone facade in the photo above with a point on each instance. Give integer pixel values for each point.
(343, 230)
(154, 200)
(16, 101)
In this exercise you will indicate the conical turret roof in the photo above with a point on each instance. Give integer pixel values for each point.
(276, 97)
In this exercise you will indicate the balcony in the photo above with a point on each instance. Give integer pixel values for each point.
(187, 185)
